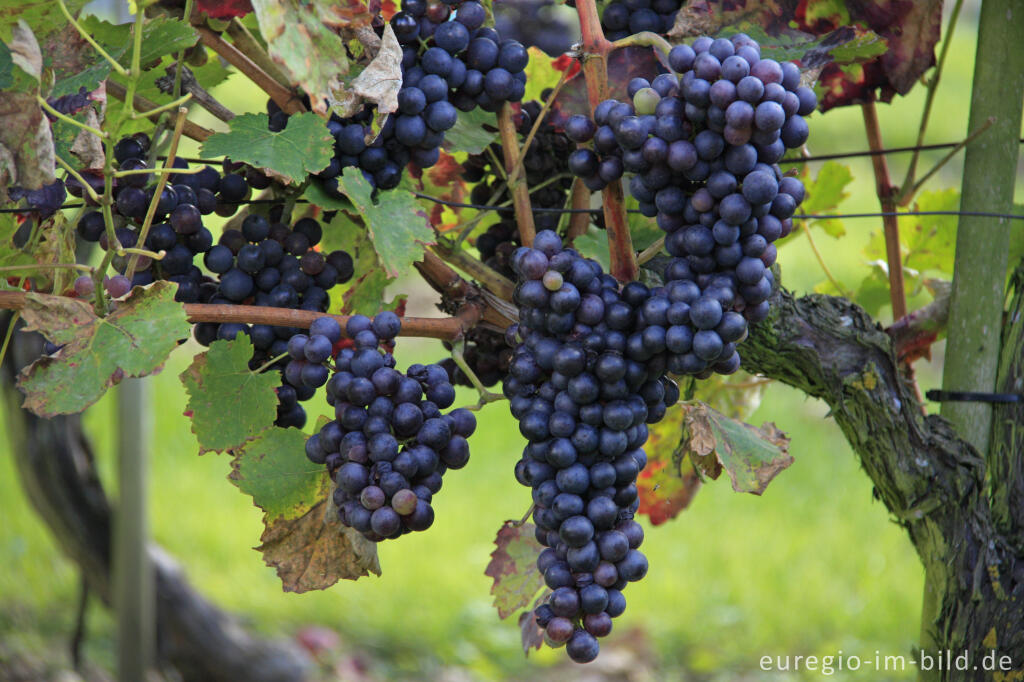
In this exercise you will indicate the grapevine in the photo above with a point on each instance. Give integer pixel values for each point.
(588, 360)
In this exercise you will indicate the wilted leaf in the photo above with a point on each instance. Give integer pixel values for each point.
(304, 146)
(381, 80)
(752, 456)
(398, 227)
(624, 64)
(315, 550)
(25, 136)
(134, 340)
(301, 37)
(513, 567)
(304, 538)
(42, 16)
(530, 634)
(824, 195)
(219, 377)
(469, 135)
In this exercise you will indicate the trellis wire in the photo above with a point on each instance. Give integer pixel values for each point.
(510, 209)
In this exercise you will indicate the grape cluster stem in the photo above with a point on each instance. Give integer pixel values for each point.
(595, 50)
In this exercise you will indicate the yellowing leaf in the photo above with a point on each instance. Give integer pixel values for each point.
(132, 341)
(513, 567)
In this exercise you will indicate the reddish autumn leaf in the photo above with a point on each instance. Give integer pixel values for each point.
(665, 490)
(909, 27)
(531, 636)
(224, 9)
(623, 65)
(567, 63)
(447, 169)
(513, 567)
(667, 484)
(388, 9)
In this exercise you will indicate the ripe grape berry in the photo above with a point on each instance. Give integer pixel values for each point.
(389, 443)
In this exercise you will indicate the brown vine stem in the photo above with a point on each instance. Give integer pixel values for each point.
(281, 95)
(488, 277)
(520, 192)
(885, 190)
(580, 200)
(595, 49)
(445, 328)
(191, 130)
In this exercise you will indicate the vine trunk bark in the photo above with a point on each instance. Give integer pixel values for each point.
(55, 463)
(931, 479)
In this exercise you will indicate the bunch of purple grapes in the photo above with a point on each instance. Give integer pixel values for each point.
(702, 145)
(450, 62)
(389, 444)
(177, 227)
(267, 264)
(584, 383)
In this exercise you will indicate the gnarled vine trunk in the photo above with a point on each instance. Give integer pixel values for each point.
(55, 464)
(932, 480)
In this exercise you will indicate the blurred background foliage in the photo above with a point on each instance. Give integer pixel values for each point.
(815, 566)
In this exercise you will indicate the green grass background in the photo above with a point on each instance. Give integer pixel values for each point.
(814, 566)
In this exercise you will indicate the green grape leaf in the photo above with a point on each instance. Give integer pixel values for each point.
(594, 244)
(9, 253)
(365, 293)
(6, 67)
(26, 143)
(132, 341)
(669, 482)
(469, 135)
(513, 567)
(160, 36)
(273, 469)
(873, 293)
(752, 456)
(397, 225)
(930, 243)
(303, 147)
(302, 37)
(824, 194)
(539, 75)
(219, 377)
(42, 16)
(365, 296)
(303, 537)
(315, 194)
